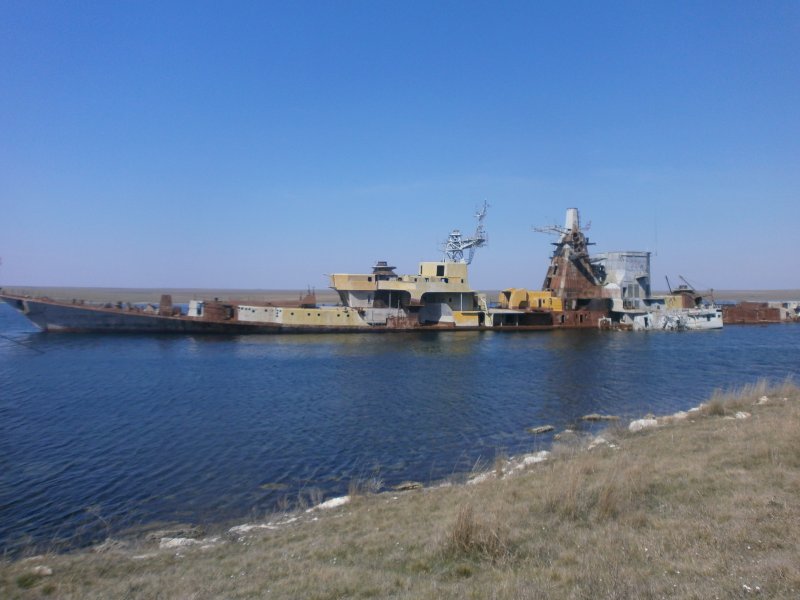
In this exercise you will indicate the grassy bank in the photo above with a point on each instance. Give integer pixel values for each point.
(704, 505)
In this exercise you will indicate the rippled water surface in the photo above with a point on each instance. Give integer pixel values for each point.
(99, 434)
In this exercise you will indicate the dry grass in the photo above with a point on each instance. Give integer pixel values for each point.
(471, 537)
(702, 508)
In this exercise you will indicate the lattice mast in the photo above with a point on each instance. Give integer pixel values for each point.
(456, 243)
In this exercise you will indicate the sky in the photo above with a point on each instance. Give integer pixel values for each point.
(265, 144)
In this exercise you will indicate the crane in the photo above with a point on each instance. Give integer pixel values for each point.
(456, 243)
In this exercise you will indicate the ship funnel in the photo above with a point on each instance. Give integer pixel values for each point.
(573, 220)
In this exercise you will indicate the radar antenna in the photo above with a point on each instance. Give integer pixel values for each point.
(570, 235)
(573, 223)
(456, 243)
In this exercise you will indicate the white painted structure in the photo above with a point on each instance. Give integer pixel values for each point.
(691, 319)
(627, 278)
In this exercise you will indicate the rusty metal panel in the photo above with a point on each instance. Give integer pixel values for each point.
(750, 313)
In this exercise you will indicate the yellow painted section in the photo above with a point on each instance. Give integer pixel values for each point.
(396, 284)
(295, 316)
(676, 301)
(347, 281)
(454, 279)
(545, 300)
(454, 270)
(465, 318)
(518, 298)
(323, 317)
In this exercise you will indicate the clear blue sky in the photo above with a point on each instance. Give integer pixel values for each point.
(263, 144)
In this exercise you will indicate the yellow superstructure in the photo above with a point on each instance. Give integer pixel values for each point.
(363, 290)
(521, 299)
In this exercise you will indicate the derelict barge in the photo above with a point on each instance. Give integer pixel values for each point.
(579, 291)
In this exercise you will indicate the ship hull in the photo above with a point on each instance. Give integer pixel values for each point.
(55, 316)
(60, 317)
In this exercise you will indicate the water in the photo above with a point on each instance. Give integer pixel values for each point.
(100, 434)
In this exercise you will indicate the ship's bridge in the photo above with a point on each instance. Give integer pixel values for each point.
(384, 288)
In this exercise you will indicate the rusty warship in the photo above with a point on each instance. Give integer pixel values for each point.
(579, 291)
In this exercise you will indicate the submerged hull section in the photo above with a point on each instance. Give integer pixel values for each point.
(679, 320)
(57, 317)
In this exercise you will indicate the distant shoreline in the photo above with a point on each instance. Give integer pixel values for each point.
(324, 295)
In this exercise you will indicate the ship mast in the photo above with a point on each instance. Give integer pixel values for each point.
(456, 243)
(571, 273)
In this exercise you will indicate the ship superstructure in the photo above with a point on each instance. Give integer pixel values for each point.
(579, 291)
(573, 293)
(572, 275)
(438, 295)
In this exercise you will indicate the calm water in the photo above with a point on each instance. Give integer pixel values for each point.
(99, 434)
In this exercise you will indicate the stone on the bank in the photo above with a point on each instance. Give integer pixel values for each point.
(640, 424)
(209, 543)
(515, 465)
(176, 542)
(407, 486)
(110, 545)
(540, 429)
(567, 433)
(332, 503)
(248, 527)
(42, 571)
(536, 457)
(598, 441)
(597, 417)
(480, 478)
(763, 400)
(742, 415)
(178, 531)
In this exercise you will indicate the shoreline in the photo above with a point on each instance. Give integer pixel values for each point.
(396, 512)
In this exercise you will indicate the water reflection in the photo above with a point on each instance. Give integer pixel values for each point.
(206, 427)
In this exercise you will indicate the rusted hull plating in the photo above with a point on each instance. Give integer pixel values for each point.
(751, 313)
